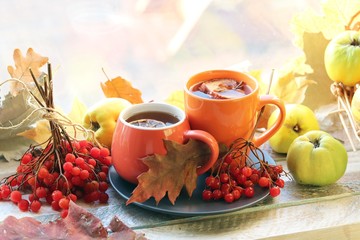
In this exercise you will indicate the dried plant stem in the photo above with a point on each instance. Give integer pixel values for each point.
(344, 96)
(51, 114)
(263, 108)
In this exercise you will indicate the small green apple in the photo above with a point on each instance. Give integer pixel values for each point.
(299, 120)
(316, 158)
(342, 56)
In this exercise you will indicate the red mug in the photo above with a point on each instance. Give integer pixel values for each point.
(130, 142)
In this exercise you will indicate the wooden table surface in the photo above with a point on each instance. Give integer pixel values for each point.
(300, 212)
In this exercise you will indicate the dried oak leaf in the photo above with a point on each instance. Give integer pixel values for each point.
(171, 172)
(21, 71)
(121, 88)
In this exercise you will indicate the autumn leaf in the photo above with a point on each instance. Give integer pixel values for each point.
(313, 31)
(291, 88)
(171, 172)
(41, 131)
(21, 71)
(121, 88)
(176, 98)
(77, 112)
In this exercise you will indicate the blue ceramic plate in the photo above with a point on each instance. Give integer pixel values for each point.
(186, 206)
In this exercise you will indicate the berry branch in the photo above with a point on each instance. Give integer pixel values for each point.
(241, 168)
(65, 169)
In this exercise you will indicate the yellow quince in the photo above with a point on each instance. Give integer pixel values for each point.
(102, 118)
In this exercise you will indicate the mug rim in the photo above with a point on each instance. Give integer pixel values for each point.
(180, 114)
(208, 72)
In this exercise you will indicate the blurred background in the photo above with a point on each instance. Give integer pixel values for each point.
(155, 44)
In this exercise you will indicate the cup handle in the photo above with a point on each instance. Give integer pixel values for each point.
(269, 99)
(210, 141)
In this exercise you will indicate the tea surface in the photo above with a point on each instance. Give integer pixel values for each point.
(221, 89)
(152, 119)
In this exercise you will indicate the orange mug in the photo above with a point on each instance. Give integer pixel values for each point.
(135, 137)
(231, 118)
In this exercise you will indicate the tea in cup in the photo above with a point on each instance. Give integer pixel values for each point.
(226, 104)
(140, 131)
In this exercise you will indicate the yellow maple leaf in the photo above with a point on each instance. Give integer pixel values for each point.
(291, 88)
(77, 112)
(313, 31)
(176, 98)
(41, 132)
(335, 16)
(21, 71)
(121, 88)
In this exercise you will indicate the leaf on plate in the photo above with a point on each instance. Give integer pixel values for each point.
(21, 71)
(176, 98)
(121, 88)
(40, 133)
(171, 172)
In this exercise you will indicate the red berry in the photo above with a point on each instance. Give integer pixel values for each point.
(274, 191)
(216, 184)
(206, 195)
(41, 192)
(104, 152)
(64, 203)
(103, 186)
(280, 183)
(64, 213)
(228, 159)
(5, 191)
(103, 198)
(75, 171)
(70, 157)
(217, 194)
(56, 195)
(68, 166)
(84, 174)
(26, 158)
(209, 181)
(43, 173)
(247, 171)
(92, 162)
(229, 197)
(35, 206)
(95, 152)
(236, 193)
(23, 205)
(224, 178)
(264, 182)
(15, 196)
(249, 192)
(55, 206)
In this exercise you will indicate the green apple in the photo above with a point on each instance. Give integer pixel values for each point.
(316, 158)
(355, 105)
(299, 120)
(342, 58)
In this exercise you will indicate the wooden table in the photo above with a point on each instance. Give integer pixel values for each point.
(300, 212)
